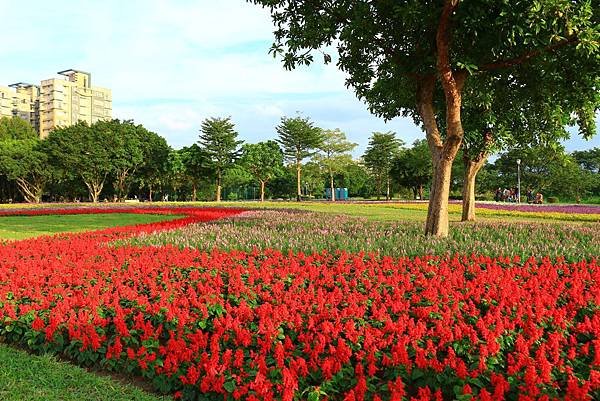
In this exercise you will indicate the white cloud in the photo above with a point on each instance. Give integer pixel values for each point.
(269, 110)
(172, 63)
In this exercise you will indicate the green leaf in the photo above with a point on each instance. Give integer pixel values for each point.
(229, 386)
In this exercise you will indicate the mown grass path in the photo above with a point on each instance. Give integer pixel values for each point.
(21, 227)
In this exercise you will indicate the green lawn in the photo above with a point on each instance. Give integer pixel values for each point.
(26, 377)
(20, 227)
(379, 212)
(398, 211)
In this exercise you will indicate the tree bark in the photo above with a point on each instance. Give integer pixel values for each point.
(219, 186)
(472, 167)
(32, 190)
(387, 192)
(443, 154)
(331, 186)
(443, 151)
(121, 177)
(262, 190)
(95, 188)
(298, 186)
(194, 191)
(94, 194)
(437, 213)
(150, 194)
(420, 191)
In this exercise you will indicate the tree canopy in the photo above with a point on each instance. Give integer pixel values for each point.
(545, 168)
(82, 151)
(16, 128)
(124, 140)
(382, 149)
(588, 159)
(26, 162)
(335, 156)
(195, 162)
(412, 168)
(218, 139)
(155, 167)
(22, 158)
(299, 139)
(264, 160)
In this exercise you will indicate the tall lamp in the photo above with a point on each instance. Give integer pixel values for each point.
(518, 180)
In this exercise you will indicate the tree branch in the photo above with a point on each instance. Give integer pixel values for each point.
(442, 40)
(452, 82)
(528, 55)
(425, 90)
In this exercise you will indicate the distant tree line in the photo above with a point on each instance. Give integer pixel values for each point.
(116, 160)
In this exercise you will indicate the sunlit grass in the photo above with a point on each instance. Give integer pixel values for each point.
(400, 211)
(21, 227)
(26, 377)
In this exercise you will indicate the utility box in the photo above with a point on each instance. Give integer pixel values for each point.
(340, 193)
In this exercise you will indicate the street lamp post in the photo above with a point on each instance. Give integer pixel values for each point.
(518, 180)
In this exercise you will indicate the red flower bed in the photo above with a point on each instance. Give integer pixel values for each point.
(265, 326)
(202, 214)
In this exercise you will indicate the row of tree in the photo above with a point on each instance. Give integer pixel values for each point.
(128, 157)
(115, 159)
(117, 151)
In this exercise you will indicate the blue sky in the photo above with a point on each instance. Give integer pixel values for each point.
(172, 63)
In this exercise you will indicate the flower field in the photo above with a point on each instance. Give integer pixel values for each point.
(233, 320)
(583, 213)
(310, 232)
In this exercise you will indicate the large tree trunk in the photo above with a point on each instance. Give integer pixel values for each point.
(32, 190)
(262, 190)
(437, 212)
(443, 154)
(120, 187)
(194, 191)
(94, 189)
(123, 183)
(443, 151)
(298, 185)
(472, 167)
(95, 195)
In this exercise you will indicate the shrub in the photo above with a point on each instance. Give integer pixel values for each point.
(486, 196)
